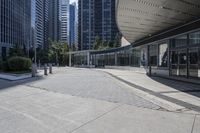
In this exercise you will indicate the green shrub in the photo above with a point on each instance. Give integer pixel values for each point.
(5, 66)
(19, 63)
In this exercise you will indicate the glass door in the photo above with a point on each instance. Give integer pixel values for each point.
(179, 62)
(182, 62)
(193, 62)
(174, 63)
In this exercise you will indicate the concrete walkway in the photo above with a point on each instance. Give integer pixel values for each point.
(169, 94)
(36, 107)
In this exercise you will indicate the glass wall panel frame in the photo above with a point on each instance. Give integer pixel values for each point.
(188, 56)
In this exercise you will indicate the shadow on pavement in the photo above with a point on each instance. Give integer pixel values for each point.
(5, 84)
(190, 88)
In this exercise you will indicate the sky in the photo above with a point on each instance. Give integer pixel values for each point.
(72, 1)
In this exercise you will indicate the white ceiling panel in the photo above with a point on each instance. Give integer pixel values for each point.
(140, 18)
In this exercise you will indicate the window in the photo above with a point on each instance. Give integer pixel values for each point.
(179, 41)
(153, 53)
(135, 57)
(174, 57)
(163, 55)
(3, 54)
(194, 38)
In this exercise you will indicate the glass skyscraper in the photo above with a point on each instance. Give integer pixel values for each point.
(39, 23)
(96, 18)
(15, 23)
(86, 34)
(64, 12)
(73, 25)
(54, 20)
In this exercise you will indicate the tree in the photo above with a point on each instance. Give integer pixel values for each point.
(117, 42)
(110, 44)
(97, 43)
(42, 55)
(74, 47)
(58, 52)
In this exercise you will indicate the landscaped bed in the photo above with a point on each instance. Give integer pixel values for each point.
(15, 68)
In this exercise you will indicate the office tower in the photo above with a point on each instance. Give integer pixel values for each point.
(96, 18)
(64, 12)
(15, 23)
(37, 23)
(105, 22)
(54, 20)
(73, 23)
(86, 24)
(46, 23)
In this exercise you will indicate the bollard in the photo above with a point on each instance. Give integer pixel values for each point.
(39, 64)
(50, 68)
(33, 70)
(45, 70)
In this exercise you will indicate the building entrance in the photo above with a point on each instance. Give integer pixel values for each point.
(194, 58)
(185, 62)
(179, 62)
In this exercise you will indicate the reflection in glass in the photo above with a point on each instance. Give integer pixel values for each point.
(174, 57)
(123, 58)
(163, 55)
(182, 63)
(179, 41)
(174, 63)
(193, 62)
(135, 58)
(194, 38)
(153, 53)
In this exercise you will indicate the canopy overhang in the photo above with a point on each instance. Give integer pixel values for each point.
(139, 19)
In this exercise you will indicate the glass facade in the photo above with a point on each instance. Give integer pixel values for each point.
(72, 24)
(163, 55)
(37, 23)
(178, 56)
(96, 18)
(79, 59)
(54, 20)
(15, 24)
(153, 55)
(64, 21)
(184, 55)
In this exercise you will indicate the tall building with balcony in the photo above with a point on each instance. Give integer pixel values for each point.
(64, 14)
(96, 18)
(46, 23)
(15, 23)
(39, 23)
(37, 38)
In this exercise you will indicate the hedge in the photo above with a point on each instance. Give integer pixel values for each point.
(19, 63)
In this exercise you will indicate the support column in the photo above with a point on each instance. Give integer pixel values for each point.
(115, 59)
(88, 58)
(70, 59)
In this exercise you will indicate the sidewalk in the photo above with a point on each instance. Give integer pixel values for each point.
(24, 109)
(74, 100)
(169, 94)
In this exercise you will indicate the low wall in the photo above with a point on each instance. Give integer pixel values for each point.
(135, 69)
(144, 70)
